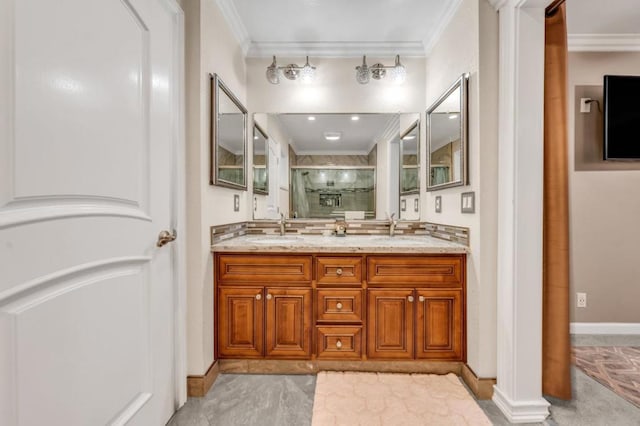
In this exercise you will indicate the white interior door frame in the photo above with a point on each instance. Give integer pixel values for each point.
(518, 392)
(179, 194)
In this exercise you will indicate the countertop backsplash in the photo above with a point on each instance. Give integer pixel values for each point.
(456, 234)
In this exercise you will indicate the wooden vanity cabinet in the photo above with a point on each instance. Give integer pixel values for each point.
(340, 307)
(264, 306)
(415, 307)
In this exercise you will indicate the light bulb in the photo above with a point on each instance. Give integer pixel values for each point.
(398, 72)
(307, 73)
(273, 74)
(362, 72)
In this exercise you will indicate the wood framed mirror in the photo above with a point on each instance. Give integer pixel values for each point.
(447, 138)
(228, 137)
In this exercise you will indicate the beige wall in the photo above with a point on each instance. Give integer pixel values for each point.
(470, 44)
(604, 214)
(211, 48)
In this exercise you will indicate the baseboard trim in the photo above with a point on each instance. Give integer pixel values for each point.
(604, 328)
(200, 385)
(533, 411)
(272, 366)
(481, 388)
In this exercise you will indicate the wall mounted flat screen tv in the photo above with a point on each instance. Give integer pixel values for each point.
(621, 117)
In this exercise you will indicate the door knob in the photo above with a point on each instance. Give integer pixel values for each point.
(339, 271)
(258, 296)
(410, 298)
(421, 298)
(338, 306)
(269, 297)
(166, 237)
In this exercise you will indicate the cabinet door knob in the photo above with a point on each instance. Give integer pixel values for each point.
(339, 271)
(269, 297)
(258, 296)
(421, 298)
(338, 344)
(338, 306)
(410, 298)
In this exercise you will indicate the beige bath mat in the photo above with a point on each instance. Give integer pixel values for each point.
(393, 399)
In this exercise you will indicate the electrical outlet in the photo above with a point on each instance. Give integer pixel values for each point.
(585, 105)
(581, 301)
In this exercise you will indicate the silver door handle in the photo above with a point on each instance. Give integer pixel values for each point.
(166, 237)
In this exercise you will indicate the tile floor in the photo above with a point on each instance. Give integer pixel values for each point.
(266, 400)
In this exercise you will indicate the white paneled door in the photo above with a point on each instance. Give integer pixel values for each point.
(90, 129)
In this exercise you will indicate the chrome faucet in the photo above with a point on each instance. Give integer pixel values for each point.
(392, 224)
(282, 222)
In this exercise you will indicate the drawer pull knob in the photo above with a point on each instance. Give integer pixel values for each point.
(338, 344)
(421, 298)
(410, 298)
(258, 296)
(269, 297)
(339, 271)
(338, 306)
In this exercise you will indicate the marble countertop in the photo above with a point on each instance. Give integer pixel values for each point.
(333, 244)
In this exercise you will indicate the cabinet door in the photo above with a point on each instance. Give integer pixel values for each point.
(390, 324)
(288, 323)
(439, 328)
(240, 322)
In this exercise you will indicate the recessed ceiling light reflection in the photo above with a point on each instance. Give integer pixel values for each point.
(453, 116)
(332, 136)
(311, 118)
(355, 118)
(409, 137)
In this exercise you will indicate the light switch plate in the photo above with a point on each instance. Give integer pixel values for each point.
(439, 204)
(403, 205)
(416, 206)
(468, 202)
(236, 203)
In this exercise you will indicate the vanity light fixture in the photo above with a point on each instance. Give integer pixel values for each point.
(305, 73)
(397, 72)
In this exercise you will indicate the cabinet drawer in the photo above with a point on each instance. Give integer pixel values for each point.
(235, 268)
(339, 305)
(339, 342)
(339, 270)
(428, 271)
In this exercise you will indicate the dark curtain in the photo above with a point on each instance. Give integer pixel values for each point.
(556, 345)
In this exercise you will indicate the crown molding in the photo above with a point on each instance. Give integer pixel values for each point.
(232, 17)
(443, 23)
(340, 49)
(603, 42)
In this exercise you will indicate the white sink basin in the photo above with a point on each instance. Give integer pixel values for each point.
(274, 240)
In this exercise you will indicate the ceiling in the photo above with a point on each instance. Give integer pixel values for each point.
(337, 27)
(357, 137)
(350, 28)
